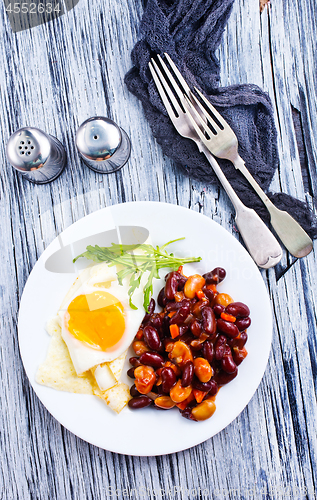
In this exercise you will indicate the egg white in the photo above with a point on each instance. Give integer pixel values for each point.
(97, 278)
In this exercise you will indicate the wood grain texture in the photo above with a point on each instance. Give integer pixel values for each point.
(54, 77)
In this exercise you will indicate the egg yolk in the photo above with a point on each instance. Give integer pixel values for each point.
(96, 319)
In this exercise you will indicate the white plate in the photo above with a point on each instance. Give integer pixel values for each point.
(149, 432)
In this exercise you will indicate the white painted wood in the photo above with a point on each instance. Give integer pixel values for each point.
(54, 77)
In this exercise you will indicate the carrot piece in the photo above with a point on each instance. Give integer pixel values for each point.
(180, 271)
(171, 314)
(244, 352)
(174, 330)
(200, 294)
(199, 395)
(139, 335)
(228, 317)
(183, 404)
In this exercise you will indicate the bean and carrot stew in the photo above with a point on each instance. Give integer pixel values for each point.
(186, 352)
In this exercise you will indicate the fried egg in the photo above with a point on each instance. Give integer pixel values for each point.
(98, 324)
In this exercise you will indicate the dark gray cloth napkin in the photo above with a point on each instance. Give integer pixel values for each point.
(190, 31)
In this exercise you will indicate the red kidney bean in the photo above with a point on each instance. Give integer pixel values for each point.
(174, 306)
(238, 309)
(185, 302)
(230, 329)
(243, 323)
(161, 298)
(152, 338)
(134, 392)
(171, 286)
(223, 378)
(172, 273)
(151, 306)
(187, 412)
(139, 402)
(157, 321)
(209, 320)
(214, 388)
(183, 329)
(130, 372)
(210, 386)
(188, 374)
(210, 294)
(145, 319)
(208, 351)
(218, 309)
(215, 276)
(166, 327)
(220, 347)
(238, 341)
(196, 328)
(243, 337)
(227, 363)
(150, 311)
(152, 359)
(134, 361)
(180, 315)
(168, 379)
(181, 280)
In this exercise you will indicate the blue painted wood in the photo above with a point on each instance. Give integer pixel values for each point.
(54, 77)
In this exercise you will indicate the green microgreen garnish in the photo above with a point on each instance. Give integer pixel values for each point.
(135, 265)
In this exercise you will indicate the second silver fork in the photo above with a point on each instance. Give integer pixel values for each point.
(260, 242)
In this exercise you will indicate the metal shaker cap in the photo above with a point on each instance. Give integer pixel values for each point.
(103, 146)
(38, 156)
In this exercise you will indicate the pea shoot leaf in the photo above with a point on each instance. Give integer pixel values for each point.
(135, 265)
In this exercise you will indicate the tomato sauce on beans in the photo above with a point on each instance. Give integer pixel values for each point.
(192, 347)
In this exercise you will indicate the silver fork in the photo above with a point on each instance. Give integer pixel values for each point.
(260, 242)
(223, 143)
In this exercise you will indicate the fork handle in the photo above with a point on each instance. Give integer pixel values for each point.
(291, 234)
(260, 242)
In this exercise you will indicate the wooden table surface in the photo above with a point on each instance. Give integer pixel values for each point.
(54, 77)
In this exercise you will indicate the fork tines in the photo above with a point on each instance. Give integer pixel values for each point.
(180, 101)
(167, 86)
